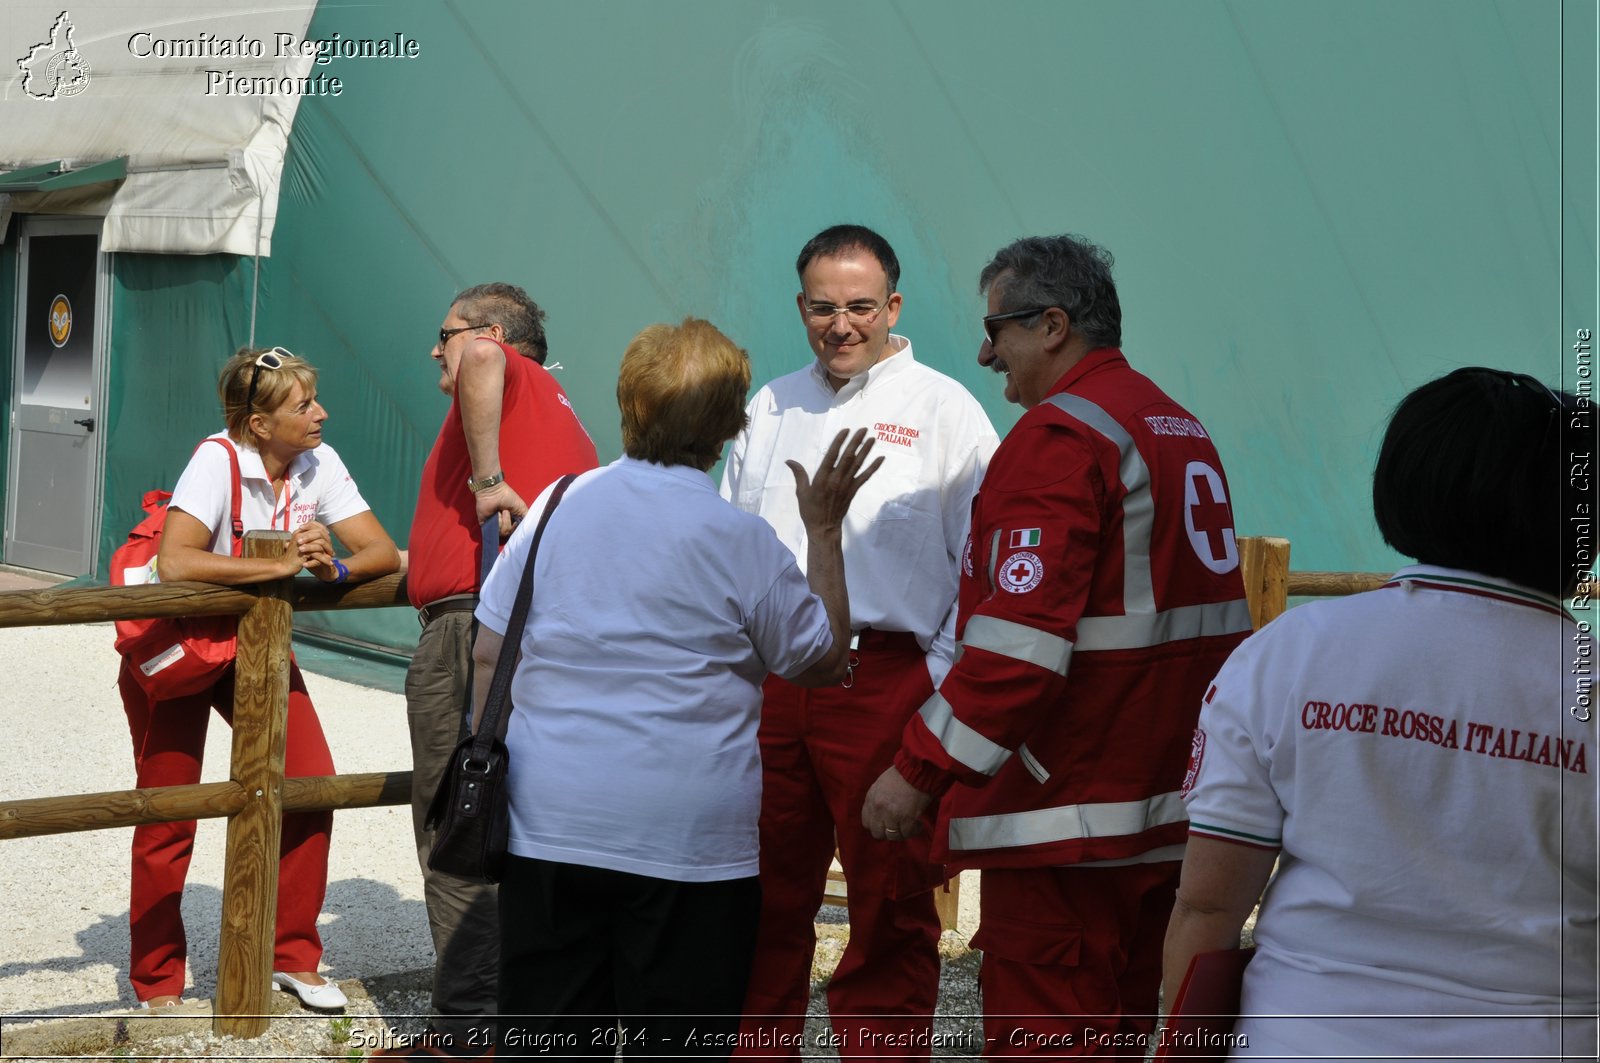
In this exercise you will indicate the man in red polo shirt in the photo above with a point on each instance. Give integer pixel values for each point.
(509, 433)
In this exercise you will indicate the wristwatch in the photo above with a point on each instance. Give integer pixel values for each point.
(492, 480)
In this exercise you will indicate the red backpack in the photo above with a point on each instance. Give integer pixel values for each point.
(172, 657)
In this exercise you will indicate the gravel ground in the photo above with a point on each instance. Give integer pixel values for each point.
(64, 898)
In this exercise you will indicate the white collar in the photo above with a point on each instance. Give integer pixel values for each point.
(898, 356)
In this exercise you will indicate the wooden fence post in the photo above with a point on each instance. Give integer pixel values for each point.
(250, 877)
(1264, 564)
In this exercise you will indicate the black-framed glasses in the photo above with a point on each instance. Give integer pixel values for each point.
(446, 333)
(1010, 315)
(272, 359)
(860, 312)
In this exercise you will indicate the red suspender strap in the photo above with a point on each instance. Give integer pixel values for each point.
(237, 522)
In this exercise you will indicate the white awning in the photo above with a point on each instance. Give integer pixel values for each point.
(198, 99)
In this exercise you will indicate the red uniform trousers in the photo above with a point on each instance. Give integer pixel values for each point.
(169, 739)
(821, 750)
(1072, 958)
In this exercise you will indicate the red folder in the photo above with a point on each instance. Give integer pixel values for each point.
(1205, 1007)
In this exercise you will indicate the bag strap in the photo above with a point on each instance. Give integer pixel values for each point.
(488, 548)
(500, 687)
(236, 522)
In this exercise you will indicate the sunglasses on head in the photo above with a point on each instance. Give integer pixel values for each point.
(272, 359)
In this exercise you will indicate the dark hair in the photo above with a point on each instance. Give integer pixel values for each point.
(509, 307)
(836, 241)
(1066, 271)
(1470, 476)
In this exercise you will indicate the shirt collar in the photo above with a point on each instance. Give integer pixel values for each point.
(686, 473)
(1099, 358)
(1476, 583)
(891, 364)
(251, 467)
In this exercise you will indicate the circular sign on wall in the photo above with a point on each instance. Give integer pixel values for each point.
(60, 320)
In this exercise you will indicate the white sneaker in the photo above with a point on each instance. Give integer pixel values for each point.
(324, 997)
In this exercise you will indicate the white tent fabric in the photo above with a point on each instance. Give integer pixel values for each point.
(198, 97)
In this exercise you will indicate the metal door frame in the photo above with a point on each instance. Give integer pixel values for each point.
(28, 227)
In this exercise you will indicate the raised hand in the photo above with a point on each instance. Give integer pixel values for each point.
(825, 496)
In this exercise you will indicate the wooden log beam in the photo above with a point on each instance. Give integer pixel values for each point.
(84, 605)
(119, 808)
(250, 878)
(313, 594)
(1334, 584)
(166, 804)
(88, 605)
(366, 790)
(1264, 565)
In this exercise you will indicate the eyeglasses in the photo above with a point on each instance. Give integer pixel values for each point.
(1010, 315)
(860, 312)
(272, 359)
(446, 333)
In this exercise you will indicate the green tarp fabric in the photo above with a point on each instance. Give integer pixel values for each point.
(1314, 206)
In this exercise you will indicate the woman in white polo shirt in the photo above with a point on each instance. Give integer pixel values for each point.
(1419, 760)
(290, 481)
(658, 610)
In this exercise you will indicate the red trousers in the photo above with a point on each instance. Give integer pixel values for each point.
(169, 740)
(1072, 958)
(821, 750)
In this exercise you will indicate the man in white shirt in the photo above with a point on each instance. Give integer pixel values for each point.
(822, 748)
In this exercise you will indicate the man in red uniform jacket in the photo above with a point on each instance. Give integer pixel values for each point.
(509, 433)
(1100, 593)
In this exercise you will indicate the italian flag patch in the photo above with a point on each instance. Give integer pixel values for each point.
(1024, 537)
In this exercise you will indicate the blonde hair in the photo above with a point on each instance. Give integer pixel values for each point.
(682, 391)
(272, 387)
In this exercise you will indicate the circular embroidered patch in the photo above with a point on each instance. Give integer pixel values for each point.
(966, 557)
(1021, 572)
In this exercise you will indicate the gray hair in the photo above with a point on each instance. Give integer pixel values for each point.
(509, 307)
(1064, 271)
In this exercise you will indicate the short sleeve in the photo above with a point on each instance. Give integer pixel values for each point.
(1229, 792)
(203, 489)
(337, 498)
(788, 625)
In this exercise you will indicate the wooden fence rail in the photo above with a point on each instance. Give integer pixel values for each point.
(256, 795)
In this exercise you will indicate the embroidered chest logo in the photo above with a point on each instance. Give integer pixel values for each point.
(1208, 519)
(1021, 572)
(899, 434)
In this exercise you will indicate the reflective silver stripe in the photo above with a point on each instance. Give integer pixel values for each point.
(1019, 642)
(1138, 507)
(961, 741)
(1065, 823)
(1170, 625)
(1165, 854)
(1031, 762)
(994, 557)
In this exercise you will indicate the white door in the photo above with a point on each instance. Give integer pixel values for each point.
(53, 478)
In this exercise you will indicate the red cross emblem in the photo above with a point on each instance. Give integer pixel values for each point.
(1208, 518)
(1021, 572)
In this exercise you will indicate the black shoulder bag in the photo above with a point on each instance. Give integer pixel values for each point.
(471, 814)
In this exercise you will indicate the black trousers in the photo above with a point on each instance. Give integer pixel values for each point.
(593, 961)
